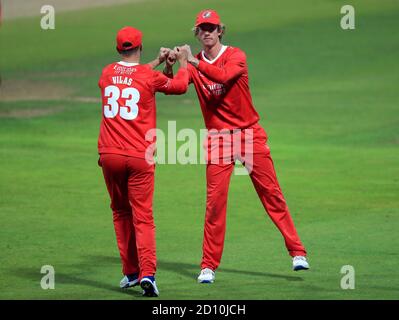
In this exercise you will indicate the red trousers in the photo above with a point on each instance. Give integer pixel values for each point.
(255, 155)
(130, 183)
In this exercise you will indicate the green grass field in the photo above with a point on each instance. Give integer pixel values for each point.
(328, 99)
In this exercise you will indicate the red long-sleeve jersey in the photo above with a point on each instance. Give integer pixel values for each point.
(129, 109)
(223, 90)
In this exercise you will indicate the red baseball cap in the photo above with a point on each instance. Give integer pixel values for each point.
(128, 38)
(207, 16)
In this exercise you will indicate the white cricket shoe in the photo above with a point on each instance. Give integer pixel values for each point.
(129, 281)
(206, 276)
(300, 263)
(149, 286)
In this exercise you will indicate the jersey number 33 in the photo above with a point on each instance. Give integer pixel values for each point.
(129, 111)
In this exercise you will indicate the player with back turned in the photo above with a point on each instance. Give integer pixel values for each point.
(220, 77)
(128, 112)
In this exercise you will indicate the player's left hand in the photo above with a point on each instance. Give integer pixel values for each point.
(181, 53)
(163, 54)
(187, 48)
(171, 58)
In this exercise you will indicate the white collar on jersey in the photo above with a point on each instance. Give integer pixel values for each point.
(217, 57)
(128, 64)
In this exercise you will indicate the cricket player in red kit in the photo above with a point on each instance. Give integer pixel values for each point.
(220, 76)
(126, 157)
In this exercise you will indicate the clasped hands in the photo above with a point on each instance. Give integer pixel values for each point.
(179, 53)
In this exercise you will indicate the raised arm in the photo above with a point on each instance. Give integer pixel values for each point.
(162, 55)
(176, 85)
(235, 67)
(169, 62)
